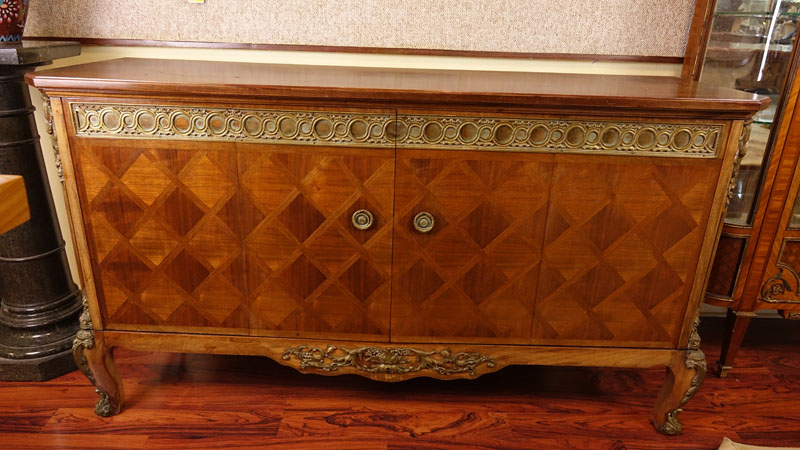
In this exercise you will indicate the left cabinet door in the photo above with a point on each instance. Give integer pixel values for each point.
(317, 227)
(162, 228)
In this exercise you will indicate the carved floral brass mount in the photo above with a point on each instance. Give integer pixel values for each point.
(387, 360)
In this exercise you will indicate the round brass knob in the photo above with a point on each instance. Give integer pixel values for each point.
(362, 219)
(423, 222)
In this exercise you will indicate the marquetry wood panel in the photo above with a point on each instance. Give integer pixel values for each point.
(473, 278)
(621, 249)
(727, 262)
(161, 224)
(309, 270)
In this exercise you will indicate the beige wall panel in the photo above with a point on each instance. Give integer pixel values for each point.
(598, 27)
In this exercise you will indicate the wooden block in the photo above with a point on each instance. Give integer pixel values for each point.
(13, 202)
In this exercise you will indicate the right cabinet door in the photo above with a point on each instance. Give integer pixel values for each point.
(468, 230)
(621, 248)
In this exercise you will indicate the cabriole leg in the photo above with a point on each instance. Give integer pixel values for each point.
(684, 376)
(96, 361)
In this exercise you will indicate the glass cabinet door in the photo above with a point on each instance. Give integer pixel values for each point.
(750, 48)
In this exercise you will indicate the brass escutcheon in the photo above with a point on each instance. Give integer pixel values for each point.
(362, 219)
(423, 222)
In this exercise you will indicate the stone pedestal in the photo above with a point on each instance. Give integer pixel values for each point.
(39, 303)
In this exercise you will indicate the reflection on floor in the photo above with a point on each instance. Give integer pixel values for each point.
(205, 401)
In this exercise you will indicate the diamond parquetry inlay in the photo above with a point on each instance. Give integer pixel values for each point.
(613, 233)
(253, 238)
(458, 281)
(163, 255)
(310, 270)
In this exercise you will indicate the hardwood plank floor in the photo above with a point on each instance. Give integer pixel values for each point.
(226, 402)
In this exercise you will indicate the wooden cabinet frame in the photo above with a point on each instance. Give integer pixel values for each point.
(609, 196)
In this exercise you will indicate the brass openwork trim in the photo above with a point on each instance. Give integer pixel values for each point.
(177, 122)
(556, 135)
(387, 360)
(405, 131)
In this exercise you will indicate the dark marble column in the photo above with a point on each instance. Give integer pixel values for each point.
(39, 303)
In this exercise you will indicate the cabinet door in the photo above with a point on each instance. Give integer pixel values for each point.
(166, 254)
(621, 249)
(310, 270)
(472, 276)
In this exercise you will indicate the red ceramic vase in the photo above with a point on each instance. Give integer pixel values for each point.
(12, 19)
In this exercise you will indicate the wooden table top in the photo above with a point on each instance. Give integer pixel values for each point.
(231, 80)
(13, 202)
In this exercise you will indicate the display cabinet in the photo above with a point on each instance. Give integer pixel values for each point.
(750, 45)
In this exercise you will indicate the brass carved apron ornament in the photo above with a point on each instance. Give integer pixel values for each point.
(387, 360)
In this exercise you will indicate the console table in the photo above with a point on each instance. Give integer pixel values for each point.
(394, 223)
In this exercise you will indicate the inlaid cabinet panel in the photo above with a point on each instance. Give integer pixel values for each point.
(311, 267)
(160, 220)
(620, 250)
(725, 269)
(471, 273)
